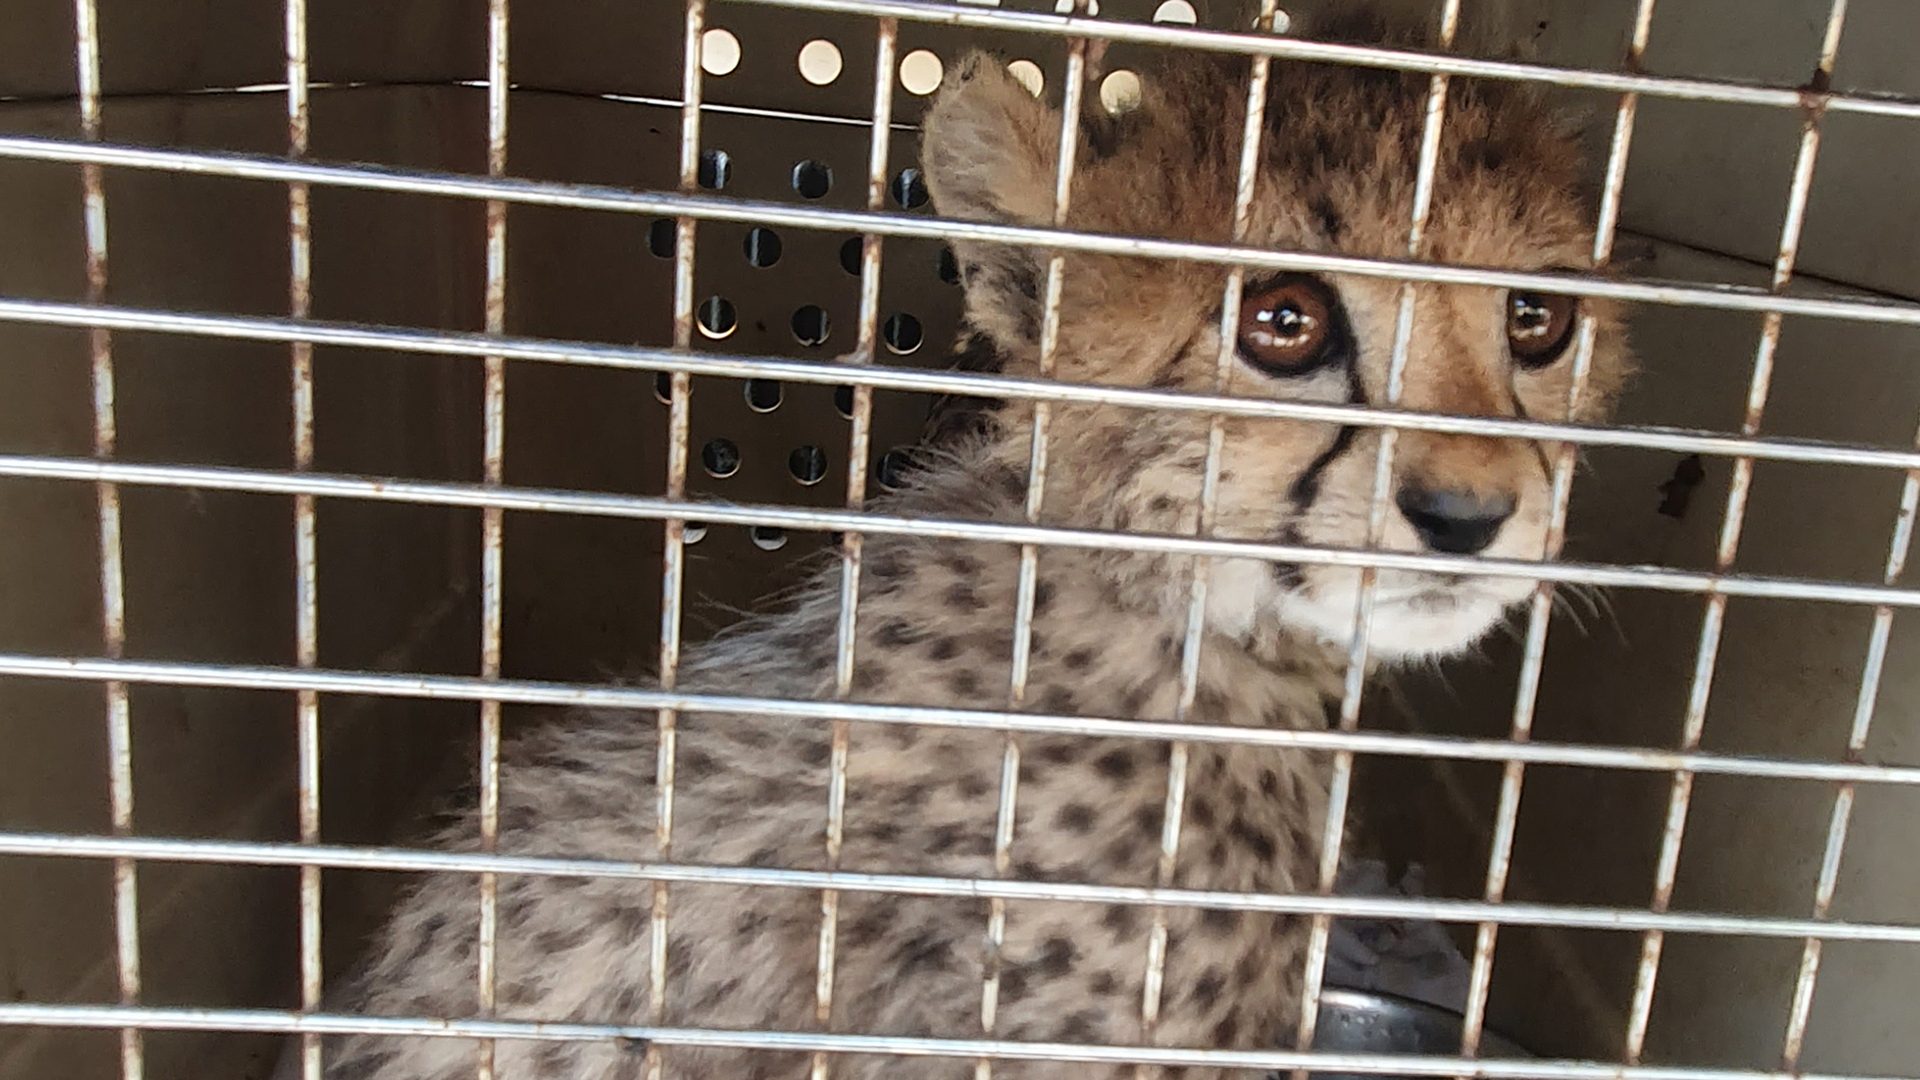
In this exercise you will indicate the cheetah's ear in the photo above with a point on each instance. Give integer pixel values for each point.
(987, 148)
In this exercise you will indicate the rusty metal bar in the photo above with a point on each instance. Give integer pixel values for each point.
(1071, 99)
(306, 588)
(674, 555)
(859, 446)
(492, 525)
(113, 603)
(1179, 754)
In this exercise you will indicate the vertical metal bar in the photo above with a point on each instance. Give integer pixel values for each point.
(306, 608)
(1863, 709)
(1539, 615)
(859, 445)
(492, 523)
(1072, 95)
(1680, 796)
(1253, 128)
(673, 557)
(1341, 791)
(113, 609)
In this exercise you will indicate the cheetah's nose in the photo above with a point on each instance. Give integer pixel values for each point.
(1455, 522)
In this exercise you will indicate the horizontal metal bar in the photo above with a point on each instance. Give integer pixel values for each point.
(527, 89)
(590, 695)
(1295, 48)
(710, 106)
(709, 208)
(825, 519)
(336, 856)
(959, 383)
(634, 1037)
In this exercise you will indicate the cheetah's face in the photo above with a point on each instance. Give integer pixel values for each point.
(1337, 174)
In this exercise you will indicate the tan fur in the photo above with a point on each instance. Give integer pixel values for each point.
(1340, 157)
(935, 626)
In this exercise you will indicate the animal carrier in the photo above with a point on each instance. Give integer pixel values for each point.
(383, 381)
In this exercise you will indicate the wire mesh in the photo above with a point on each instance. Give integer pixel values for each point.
(494, 346)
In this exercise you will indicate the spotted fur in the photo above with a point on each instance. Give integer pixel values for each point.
(935, 626)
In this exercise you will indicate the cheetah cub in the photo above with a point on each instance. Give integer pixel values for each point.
(935, 618)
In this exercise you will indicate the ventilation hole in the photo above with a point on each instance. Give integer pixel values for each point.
(762, 247)
(716, 317)
(909, 189)
(693, 532)
(843, 401)
(720, 458)
(660, 237)
(719, 52)
(768, 537)
(810, 325)
(808, 465)
(920, 72)
(949, 267)
(1028, 74)
(716, 168)
(1065, 7)
(850, 256)
(1178, 12)
(812, 179)
(902, 333)
(763, 395)
(819, 61)
(663, 387)
(893, 468)
(1120, 92)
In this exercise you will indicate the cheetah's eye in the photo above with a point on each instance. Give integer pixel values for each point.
(1539, 325)
(1289, 327)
